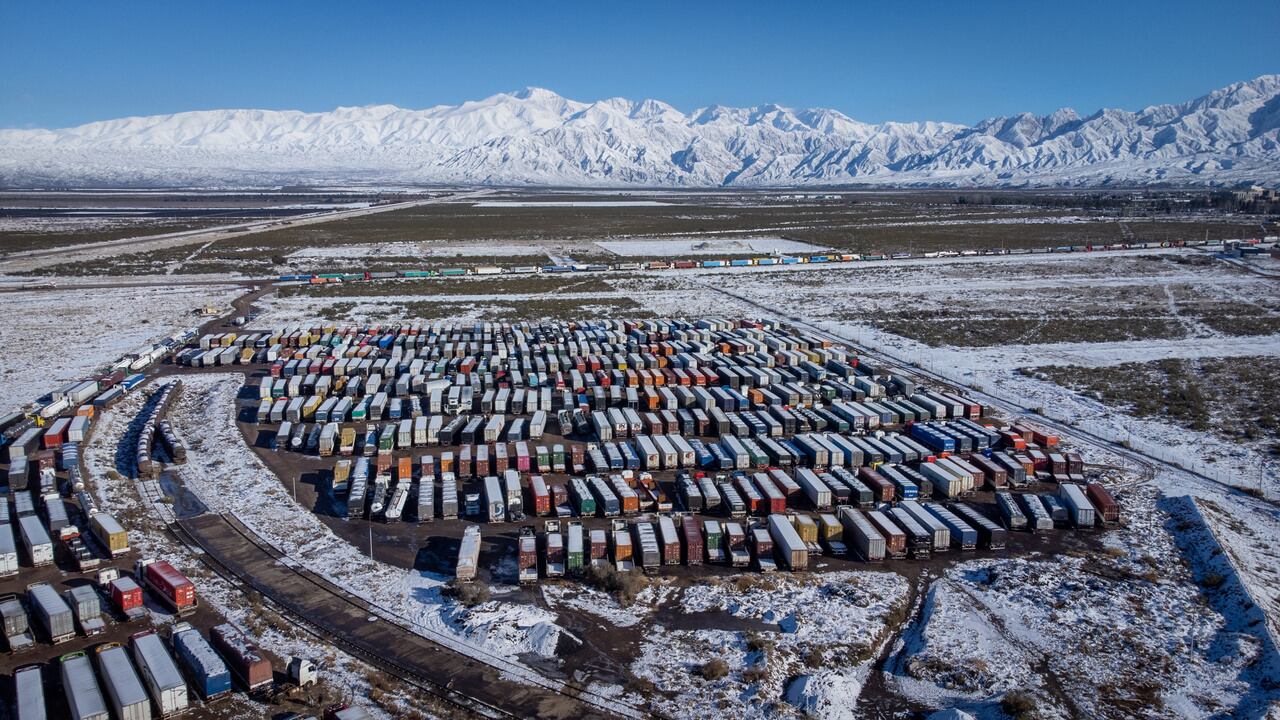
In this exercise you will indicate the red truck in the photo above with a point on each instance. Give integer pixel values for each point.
(168, 584)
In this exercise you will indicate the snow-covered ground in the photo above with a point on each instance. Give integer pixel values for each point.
(567, 203)
(409, 248)
(51, 337)
(800, 644)
(1088, 635)
(108, 460)
(229, 478)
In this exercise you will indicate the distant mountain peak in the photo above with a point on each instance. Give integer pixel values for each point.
(536, 136)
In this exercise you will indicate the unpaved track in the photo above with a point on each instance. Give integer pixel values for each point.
(35, 259)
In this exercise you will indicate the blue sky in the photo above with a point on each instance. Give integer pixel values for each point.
(65, 63)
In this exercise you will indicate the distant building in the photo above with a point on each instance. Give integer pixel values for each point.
(1258, 193)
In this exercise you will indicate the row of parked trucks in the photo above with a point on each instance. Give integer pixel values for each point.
(906, 528)
(506, 493)
(80, 609)
(150, 676)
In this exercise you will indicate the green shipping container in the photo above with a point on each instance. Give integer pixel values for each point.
(452, 272)
(582, 497)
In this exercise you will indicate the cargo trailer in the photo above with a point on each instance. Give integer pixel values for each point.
(527, 556)
(990, 535)
(53, 613)
(17, 631)
(159, 673)
(649, 549)
(243, 658)
(623, 549)
(927, 520)
(8, 550)
(84, 695)
(575, 558)
(555, 549)
(818, 493)
(963, 535)
(469, 554)
(831, 535)
(694, 548)
(86, 605)
(1108, 509)
(1010, 513)
(919, 541)
(670, 540)
(762, 549)
(713, 541)
(204, 667)
(1081, 510)
(787, 543)
(28, 693)
(1057, 511)
(598, 550)
(861, 534)
(110, 533)
(125, 693)
(1038, 517)
(495, 500)
(35, 539)
(171, 586)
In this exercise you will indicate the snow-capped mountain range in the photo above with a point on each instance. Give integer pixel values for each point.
(535, 136)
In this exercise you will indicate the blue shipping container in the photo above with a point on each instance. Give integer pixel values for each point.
(207, 671)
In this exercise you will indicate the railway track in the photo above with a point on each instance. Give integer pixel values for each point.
(379, 656)
(246, 583)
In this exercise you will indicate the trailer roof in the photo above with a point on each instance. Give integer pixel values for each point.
(150, 648)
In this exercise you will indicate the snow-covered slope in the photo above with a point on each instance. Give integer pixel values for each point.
(538, 137)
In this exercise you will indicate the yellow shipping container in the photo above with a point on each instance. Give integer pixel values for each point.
(805, 527)
(309, 407)
(110, 533)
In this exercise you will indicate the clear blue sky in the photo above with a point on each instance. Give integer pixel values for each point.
(65, 63)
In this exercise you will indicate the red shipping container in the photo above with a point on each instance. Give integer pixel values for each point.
(1107, 506)
(172, 585)
(244, 658)
(125, 594)
(882, 488)
(693, 548)
(541, 495)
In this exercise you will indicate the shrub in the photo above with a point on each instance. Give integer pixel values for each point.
(1213, 580)
(467, 594)
(758, 643)
(1019, 705)
(714, 669)
(755, 674)
(623, 586)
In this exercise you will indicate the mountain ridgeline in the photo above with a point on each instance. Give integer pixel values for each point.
(536, 137)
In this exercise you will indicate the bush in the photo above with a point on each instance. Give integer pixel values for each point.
(758, 643)
(714, 669)
(467, 594)
(623, 586)
(755, 674)
(1213, 580)
(1019, 705)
